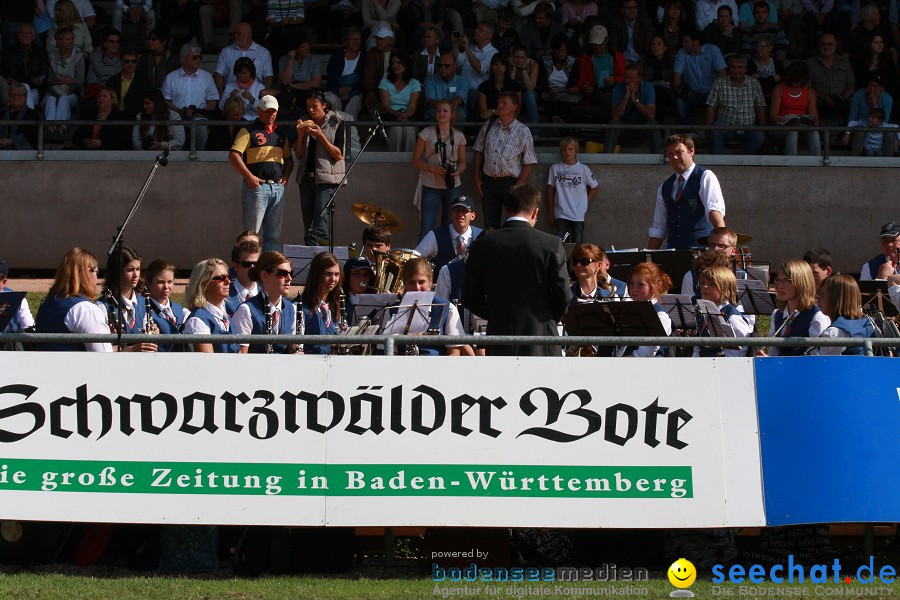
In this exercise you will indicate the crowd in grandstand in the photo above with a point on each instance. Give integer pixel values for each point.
(797, 63)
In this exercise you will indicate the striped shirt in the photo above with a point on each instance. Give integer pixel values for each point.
(736, 104)
(505, 149)
(280, 10)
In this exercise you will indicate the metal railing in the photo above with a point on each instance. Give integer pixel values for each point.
(586, 129)
(390, 342)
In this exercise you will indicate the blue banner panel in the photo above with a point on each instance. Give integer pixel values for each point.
(830, 438)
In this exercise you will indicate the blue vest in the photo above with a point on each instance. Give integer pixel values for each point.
(446, 246)
(621, 288)
(711, 351)
(438, 315)
(258, 318)
(858, 328)
(164, 325)
(14, 324)
(314, 324)
(457, 272)
(875, 264)
(140, 314)
(799, 327)
(51, 319)
(233, 300)
(686, 220)
(213, 323)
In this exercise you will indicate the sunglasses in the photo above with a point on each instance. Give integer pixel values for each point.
(221, 278)
(582, 262)
(282, 274)
(246, 264)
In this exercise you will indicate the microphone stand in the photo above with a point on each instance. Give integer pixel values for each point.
(115, 250)
(330, 206)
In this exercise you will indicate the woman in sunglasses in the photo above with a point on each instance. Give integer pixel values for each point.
(590, 264)
(205, 297)
(269, 312)
(321, 300)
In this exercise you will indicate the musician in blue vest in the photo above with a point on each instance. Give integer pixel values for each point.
(719, 285)
(167, 314)
(840, 299)
(890, 243)
(590, 264)
(797, 314)
(321, 300)
(721, 240)
(243, 257)
(22, 319)
(443, 316)
(205, 297)
(69, 306)
(269, 312)
(443, 244)
(123, 282)
(358, 276)
(689, 204)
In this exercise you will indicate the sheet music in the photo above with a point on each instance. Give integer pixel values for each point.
(413, 311)
(680, 308)
(301, 257)
(367, 304)
(754, 297)
(715, 324)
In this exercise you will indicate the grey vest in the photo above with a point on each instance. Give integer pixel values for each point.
(328, 170)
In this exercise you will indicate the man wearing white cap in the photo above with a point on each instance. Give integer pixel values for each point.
(598, 72)
(376, 63)
(261, 154)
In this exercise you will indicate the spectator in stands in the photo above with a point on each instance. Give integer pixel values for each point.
(299, 74)
(171, 11)
(505, 35)
(66, 79)
(152, 137)
(523, 9)
(575, 12)
(417, 17)
(440, 157)
(221, 137)
(66, 17)
(377, 12)
(819, 17)
(504, 157)
(246, 87)
(344, 15)
(634, 103)
(524, 71)
(376, 63)
(889, 236)
(82, 7)
(697, 66)
(105, 61)
(832, 79)
(474, 59)
(656, 69)
(190, 91)
(445, 84)
(286, 20)
(104, 137)
(746, 14)
(12, 15)
(208, 12)
(158, 61)
(789, 14)
(399, 96)
(500, 81)
(345, 75)
(876, 60)
(874, 143)
(872, 96)
(794, 103)
(134, 12)
(723, 33)
(673, 25)
(425, 63)
(761, 66)
(870, 25)
(13, 136)
(243, 46)
(27, 63)
(598, 71)
(540, 29)
(819, 260)
(630, 33)
(559, 80)
(762, 27)
(736, 100)
(706, 11)
(128, 87)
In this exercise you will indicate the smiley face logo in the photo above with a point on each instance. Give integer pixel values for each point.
(682, 573)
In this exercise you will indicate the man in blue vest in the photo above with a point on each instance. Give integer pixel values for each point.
(890, 243)
(443, 244)
(689, 204)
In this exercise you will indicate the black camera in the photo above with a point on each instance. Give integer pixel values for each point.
(449, 180)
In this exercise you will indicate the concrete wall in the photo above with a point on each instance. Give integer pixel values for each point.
(192, 209)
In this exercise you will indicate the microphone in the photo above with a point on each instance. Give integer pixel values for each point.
(379, 128)
(164, 159)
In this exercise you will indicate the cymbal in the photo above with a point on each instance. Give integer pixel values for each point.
(375, 215)
(742, 240)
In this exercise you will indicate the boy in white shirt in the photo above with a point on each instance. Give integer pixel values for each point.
(570, 185)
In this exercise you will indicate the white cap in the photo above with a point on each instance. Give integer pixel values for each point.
(382, 30)
(268, 103)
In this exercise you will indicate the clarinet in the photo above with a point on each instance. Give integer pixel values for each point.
(267, 312)
(344, 319)
(298, 328)
(149, 325)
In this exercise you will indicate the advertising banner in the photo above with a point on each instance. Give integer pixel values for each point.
(352, 441)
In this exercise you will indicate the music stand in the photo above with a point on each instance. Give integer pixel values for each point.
(877, 292)
(714, 324)
(759, 272)
(368, 306)
(613, 319)
(680, 308)
(411, 317)
(9, 307)
(302, 256)
(755, 297)
(674, 262)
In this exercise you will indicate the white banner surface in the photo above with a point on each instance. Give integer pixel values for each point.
(304, 440)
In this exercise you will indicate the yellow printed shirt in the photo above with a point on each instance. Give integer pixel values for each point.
(263, 151)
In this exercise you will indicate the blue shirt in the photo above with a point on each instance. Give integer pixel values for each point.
(700, 71)
(859, 107)
(646, 95)
(438, 89)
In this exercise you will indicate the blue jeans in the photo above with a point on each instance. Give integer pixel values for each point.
(313, 199)
(684, 106)
(529, 105)
(264, 212)
(751, 140)
(434, 201)
(575, 229)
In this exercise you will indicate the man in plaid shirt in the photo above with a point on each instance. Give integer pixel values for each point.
(736, 100)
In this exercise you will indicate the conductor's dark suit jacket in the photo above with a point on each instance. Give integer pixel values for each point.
(516, 278)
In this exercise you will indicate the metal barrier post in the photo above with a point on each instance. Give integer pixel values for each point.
(389, 346)
(193, 140)
(40, 140)
(868, 350)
